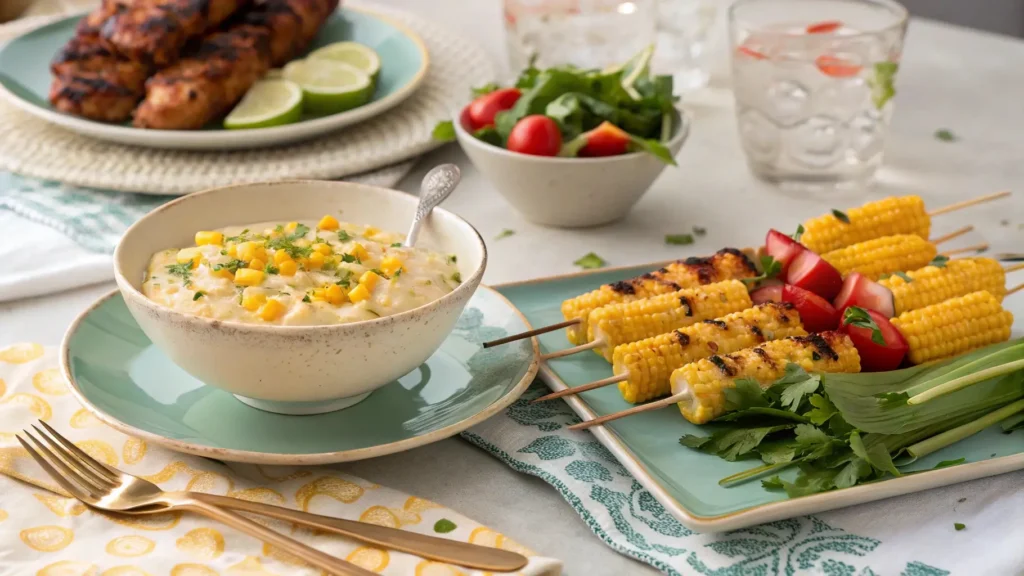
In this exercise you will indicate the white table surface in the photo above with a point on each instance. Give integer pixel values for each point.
(951, 78)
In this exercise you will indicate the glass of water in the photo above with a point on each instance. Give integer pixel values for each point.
(814, 84)
(684, 30)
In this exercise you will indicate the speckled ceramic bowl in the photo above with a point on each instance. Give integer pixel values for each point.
(297, 369)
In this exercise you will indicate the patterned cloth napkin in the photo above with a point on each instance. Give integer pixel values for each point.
(44, 532)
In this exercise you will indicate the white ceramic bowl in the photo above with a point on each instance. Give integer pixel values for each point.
(568, 192)
(297, 369)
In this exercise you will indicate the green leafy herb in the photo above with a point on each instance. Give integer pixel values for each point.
(488, 134)
(733, 443)
(793, 386)
(823, 409)
(698, 231)
(305, 298)
(444, 131)
(199, 294)
(679, 239)
(271, 269)
(841, 216)
(948, 463)
(231, 265)
(770, 268)
(485, 89)
(882, 83)
(457, 278)
(590, 261)
(945, 135)
(799, 232)
(396, 244)
(859, 317)
(745, 394)
(452, 258)
(958, 526)
(344, 236)
(1012, 423)
(939, 261)
(242, 237)
(505, 234)
(444, 526)
(287, 242)
(773, 483)
(349, 258)
(183, 271)
(876, 454)
(904, 276)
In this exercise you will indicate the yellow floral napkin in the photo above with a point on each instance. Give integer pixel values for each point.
(46, 533)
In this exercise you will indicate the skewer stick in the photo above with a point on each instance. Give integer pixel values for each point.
(531, 333)
(953, 234)
(1014, 268)
(576, 390)
(573, 350)
(968, 203)
(635, 410)
(975, 248)
(1016, 288)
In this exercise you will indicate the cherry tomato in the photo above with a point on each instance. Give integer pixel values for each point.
(483, 109)
(605, 140)
(536, 135)
(816, 313)
(876, 357)
(824, 27)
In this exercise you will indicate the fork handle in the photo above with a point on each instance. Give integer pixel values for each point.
(430, 547)
(294, 547)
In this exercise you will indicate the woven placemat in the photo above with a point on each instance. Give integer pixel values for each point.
(32, 147)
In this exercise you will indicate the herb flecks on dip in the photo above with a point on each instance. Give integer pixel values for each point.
(298, 274)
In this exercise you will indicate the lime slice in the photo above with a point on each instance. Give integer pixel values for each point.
(267, 103)
(329, 87)
(351, 53)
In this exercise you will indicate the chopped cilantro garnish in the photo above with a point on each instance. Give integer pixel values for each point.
(457, 277)
(397, 273)
(698, 231)
(939, 261)
(396, 245)
(378, 272)
(231, 265)
(223, 252)
(287, 242)
(770, 268)
(590, 261)
(945, 135)
(679, 239)
(348, 258)
(305, 298)
(841, 216)
(958, 526)
(903, 275)
(271, 269)
(240, 238)
(452, 258)
(344, 236)
(799, 232)
(343, 283)
(183, 270)
(859, 317)
(199, 294)
(504, 234)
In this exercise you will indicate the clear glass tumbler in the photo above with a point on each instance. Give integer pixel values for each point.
(684, 30)
(814, 83)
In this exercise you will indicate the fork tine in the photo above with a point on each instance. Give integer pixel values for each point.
(110, 473)
(83, 469)
(82, 493)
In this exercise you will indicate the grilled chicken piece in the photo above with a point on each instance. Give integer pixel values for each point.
(93, 22)
(156, 31)
(207, 83)
(292, 24)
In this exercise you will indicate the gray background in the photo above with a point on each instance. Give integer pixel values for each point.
(1002, 16)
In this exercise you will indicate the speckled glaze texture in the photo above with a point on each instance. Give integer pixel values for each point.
(569, 192)
(296, 363)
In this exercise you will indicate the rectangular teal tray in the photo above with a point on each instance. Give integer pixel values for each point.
(686, 481)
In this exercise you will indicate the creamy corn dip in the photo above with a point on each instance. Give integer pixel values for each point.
(298, 273)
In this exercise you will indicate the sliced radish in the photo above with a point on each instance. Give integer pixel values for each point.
(837, 67)
(811, 272)
(782, 248)
(767, 294)
(824, 27)
(875, 357)
(816, 313)
(751, 53)
(859, 290)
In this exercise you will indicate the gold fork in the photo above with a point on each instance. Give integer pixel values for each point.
(108, 488)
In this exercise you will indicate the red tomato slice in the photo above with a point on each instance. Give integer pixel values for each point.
(816, 313)
(859, 290)
(751, 53)
(837, 67)
(483, 109)
(782, 248)
(536, 135)
(605, 140)
(811, 272)
(824, 27)
(876, 357)
(767, 294)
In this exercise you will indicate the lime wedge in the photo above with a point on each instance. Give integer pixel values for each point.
(329, 87)
(267, 103)
(351, 53)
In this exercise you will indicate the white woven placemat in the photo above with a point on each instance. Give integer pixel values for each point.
(32, 147)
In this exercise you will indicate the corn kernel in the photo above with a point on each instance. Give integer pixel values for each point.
(290, 227)
(328, 222)
(302, 243)
(287, 268)
(250, 250)
(359, 293)
(389, 265)
(190, 254)
(315, 261)
(370, 232)
(232, 250)
(248, 277)
(207, 237)
(320, 295)
(253, 299)
(369, 279)
(324, 249)
(360, 252)
(223, 273)
(335, 295)
(257, 264)
(281, 256)
(272, 310)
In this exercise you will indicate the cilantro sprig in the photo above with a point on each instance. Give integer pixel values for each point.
(183, 271)
(286, 242)
(770, 268)
(859, 317)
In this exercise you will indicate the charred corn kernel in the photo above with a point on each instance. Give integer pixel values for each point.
(252, 300)
(232, 250)
(389, 265)
(726, 264)
(290, 227)
(287, 268)
(370, 232)
(360, 252)
(189, 254)
(649, 363)
(934, 284)
(885, 255)
(223, 273)
(320, 294)
(322, 248)
(328, 222)
(895, 215)
(272, 310)
(248, 277)
(369, 279)
(315, 261)
(631, 321)
(207, 237)
(281, 256)
(249, 250)
(335, 295)
(954, 327)
(359, 293)
(257, 264)
(703, 383)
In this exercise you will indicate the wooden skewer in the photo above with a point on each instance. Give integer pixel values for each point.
(953, 234)
(635, 410)
(573, 350)
(1016, 288)
(531, 333)
(969, 203)
(1014, 268)
(577, 389)
(976, 248)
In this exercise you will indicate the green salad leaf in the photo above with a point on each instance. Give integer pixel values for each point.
(444, 131)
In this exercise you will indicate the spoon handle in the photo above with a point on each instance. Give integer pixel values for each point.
(437, 185)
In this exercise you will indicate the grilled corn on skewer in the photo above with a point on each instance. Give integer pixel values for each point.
(886, 217)
(885, 255)
(935, 284)
(953, 327)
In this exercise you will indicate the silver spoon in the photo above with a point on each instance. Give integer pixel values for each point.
(436, 186)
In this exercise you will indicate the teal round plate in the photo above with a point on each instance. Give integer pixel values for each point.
(124, 380)
(25, 82)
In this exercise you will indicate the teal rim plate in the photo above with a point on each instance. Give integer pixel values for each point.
(25, 82)
(685, 481)
(120, 377)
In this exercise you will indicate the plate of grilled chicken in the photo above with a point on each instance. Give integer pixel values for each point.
(166, 73)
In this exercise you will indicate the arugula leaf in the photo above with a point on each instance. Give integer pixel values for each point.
(444, 131)
(183, 271)
(799, 233)
(945, 135)
(679, 239)
(939, 261)
(485, 89)
(505, 234)
(948, 463)
(773, 483)
(841, 216)
(859, 317)
(958, 526)
(882, 88)
(823, 409)
(590, 261)
(745, 394)
(876, 454)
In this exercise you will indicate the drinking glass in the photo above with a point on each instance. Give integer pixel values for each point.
(814, 86)
(683, 30)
